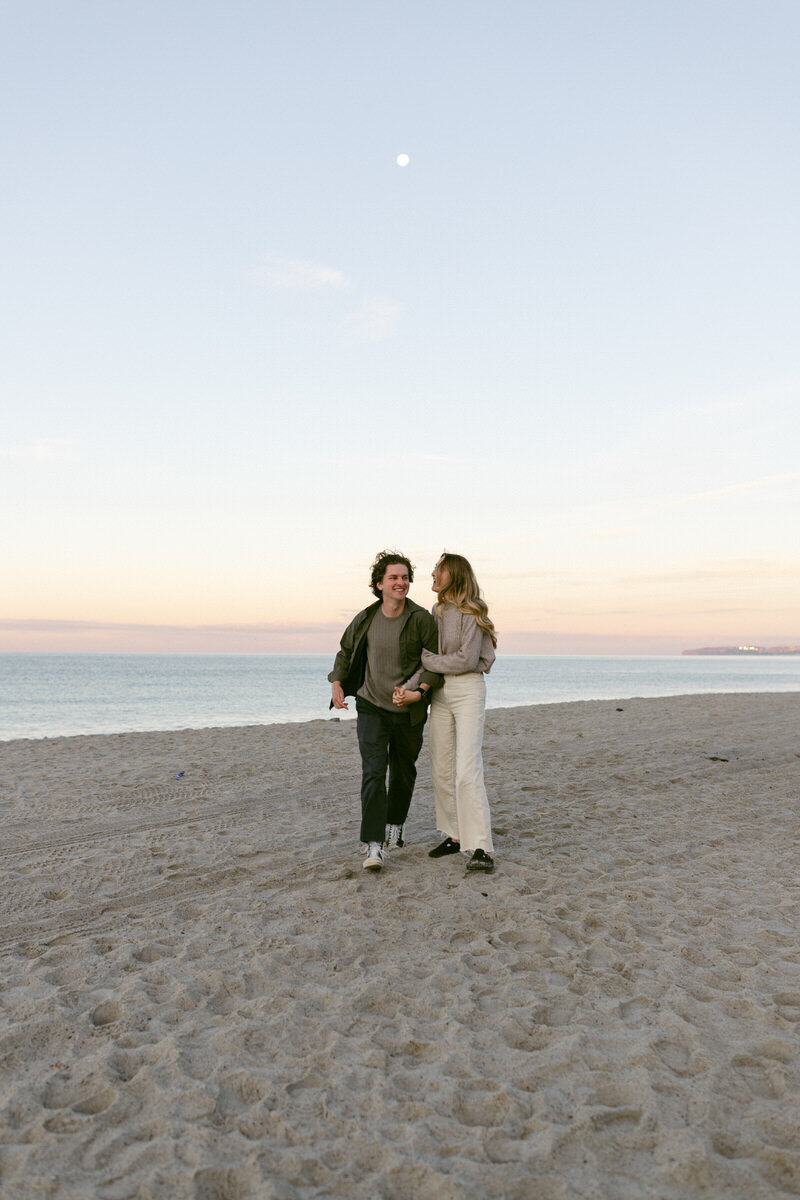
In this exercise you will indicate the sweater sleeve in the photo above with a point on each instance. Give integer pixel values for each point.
(430, 642)
(463, 659)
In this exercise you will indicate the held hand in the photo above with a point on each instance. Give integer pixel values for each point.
(337, 695)
(402, 697)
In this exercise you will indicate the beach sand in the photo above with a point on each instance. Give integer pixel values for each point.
(204, 995)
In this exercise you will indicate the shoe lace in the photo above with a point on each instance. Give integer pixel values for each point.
(393, 835)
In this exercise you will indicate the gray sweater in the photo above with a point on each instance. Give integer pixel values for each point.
(463, 646)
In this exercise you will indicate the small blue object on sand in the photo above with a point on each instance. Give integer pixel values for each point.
(180, 775)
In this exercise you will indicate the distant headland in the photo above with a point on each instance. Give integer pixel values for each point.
(745, 650)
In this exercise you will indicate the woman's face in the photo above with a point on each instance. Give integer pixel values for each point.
(440, 576)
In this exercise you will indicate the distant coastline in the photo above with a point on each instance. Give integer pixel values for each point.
(745, 650)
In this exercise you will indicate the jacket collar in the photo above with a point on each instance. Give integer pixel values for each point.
(411, 605)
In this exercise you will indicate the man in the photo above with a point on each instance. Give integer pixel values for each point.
(380, 650)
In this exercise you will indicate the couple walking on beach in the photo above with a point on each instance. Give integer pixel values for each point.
(398, 660)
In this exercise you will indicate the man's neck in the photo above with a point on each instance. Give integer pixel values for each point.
(393, 608)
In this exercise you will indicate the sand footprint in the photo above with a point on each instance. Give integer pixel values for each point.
(743, 956)
(618, 1118)
(127, 1061)
(477, 962)
(617, 1106)
(87, 1097)
(773, 1048)
(732, 1145)
(634, 1009)
(764, 1079)
(149, 954)
(225, 1183)
(488, 1001)
(788, 1005)
(557, 1014)
(241, 1090)
(106, 1013)
(486, 1105)
(95, 1103)
(675, 1056)
(418, 1183)
(519, 1036)
(781, 1168)
(695, 957)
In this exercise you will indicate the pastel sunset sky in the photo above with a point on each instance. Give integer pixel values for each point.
(244, 349)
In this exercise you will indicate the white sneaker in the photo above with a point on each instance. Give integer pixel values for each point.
(394, 837)
(375, 857)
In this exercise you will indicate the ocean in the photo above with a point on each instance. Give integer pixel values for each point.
(53, 695)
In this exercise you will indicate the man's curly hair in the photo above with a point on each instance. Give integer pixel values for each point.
(380, 565)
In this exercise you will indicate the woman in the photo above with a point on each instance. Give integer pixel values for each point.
(467, 641)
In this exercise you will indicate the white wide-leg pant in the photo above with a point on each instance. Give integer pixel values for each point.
(456, 738)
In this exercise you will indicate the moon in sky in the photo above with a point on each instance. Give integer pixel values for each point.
(403, 160)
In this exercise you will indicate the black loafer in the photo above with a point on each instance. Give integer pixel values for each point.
(481, 861)
(448, 846)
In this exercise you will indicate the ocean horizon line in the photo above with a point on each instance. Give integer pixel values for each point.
(706, 652)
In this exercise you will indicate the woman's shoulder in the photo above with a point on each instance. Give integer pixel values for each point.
(453, 617)
(459, 618)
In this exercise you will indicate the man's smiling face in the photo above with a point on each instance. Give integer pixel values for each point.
(395, 583)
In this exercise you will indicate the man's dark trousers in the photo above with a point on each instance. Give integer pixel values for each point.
(386, 740)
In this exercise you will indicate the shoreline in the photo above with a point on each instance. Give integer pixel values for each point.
(346, 718)
(206, 996)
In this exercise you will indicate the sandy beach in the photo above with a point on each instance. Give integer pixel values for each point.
(204, 995)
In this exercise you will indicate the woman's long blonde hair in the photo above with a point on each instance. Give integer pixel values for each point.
(463, 592)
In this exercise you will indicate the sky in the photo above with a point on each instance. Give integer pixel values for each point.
(244, 350)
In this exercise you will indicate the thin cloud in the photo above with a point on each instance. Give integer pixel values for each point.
(373, 320)
(44, 625)
(505, 576)
(300, 275)
(734, 489)
(42, 450)
(726, 570)
(622, 531)
(732, 405)
(534, 613)
(419, 459)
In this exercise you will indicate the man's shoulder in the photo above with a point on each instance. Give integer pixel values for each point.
(369, 611)
(418, 612)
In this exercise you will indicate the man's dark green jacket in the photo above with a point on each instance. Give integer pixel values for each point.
(417, 629)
